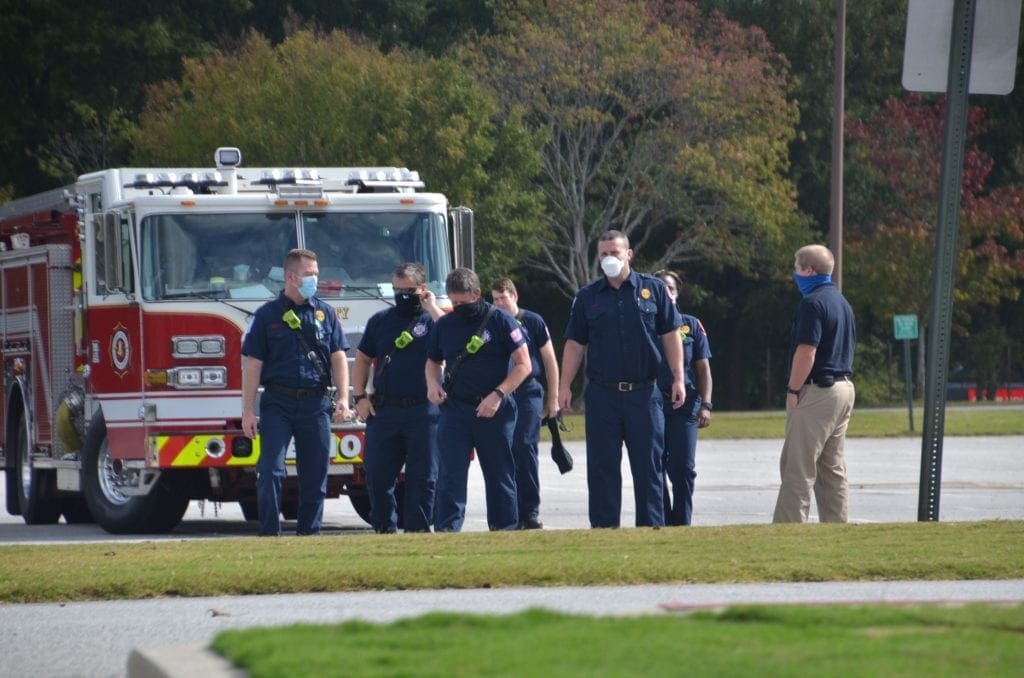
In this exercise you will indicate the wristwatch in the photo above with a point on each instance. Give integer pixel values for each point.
(357, 398)
(793, 391)
(707, 405)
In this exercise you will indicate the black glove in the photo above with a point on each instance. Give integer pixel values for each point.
(559, 454)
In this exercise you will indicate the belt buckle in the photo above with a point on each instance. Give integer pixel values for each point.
(624, 386)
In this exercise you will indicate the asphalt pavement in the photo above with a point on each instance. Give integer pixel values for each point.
(982, 478)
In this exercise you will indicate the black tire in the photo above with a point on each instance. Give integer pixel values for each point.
(159, 511)
(37, 490)
(11, 482)
(76, 511)
(250, 509)
(361, 504)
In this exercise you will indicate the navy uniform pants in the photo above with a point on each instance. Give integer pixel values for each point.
(525, 441)
(309, 422)
(635, 418)
(459, 432)
(396, 436)
(680, 459)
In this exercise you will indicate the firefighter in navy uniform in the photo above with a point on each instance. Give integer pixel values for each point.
(624, 322)
(681, 424)
(295, 348)
(484, 356)
(536, 399)
(401, 424)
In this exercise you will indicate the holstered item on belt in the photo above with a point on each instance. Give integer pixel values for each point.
(559, 454)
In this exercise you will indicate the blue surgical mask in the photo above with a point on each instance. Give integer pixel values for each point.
(307, 288)
(807, 283)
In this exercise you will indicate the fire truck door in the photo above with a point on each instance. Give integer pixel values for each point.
(115, 333)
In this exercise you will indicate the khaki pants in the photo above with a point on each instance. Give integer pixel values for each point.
(812, 456)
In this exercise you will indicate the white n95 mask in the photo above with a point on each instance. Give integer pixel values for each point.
(612, 266)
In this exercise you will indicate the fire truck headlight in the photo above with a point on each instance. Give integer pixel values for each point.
(186, 377)
(215, 377)
(211, 346)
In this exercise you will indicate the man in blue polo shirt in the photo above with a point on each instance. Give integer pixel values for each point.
(819, 396)
(536, 399)
(401, 425)
(295, 348)
(624, 322)
(484, 356)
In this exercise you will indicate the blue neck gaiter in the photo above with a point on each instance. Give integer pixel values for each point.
(807, 283)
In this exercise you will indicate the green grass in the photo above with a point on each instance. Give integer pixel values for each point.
(746, 641)
(866, 423)
(740, 553)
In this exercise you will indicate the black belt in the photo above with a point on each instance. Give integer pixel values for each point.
(625, 386)
(469, 400)
(826, 380)
(398, 402)
(297, 393)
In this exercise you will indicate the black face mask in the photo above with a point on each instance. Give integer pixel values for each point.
(471, 311)
(407, 304)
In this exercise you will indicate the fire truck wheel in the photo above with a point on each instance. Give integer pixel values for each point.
(76, 511)
(37, 491)
(102, 481)
(250, 509)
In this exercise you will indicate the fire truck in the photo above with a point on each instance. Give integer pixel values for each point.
(123, 302)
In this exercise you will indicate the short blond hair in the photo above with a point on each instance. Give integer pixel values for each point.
(817, 257)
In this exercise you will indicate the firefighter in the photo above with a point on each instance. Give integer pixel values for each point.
(485, 358)
(295, 348)
(536, 399)
(681, 424)
(624, 321)
(401, 424)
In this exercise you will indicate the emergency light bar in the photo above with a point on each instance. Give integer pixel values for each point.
(192, 180)
(290, 177)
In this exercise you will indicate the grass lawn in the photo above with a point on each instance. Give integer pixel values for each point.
(735, 553)
(975, 640)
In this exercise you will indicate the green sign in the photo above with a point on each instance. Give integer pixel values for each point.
(905, 326)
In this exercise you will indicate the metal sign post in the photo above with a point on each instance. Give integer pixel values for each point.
(996, 43)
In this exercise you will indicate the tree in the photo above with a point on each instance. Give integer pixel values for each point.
(890, 234)
(668, 126)
(334, 100)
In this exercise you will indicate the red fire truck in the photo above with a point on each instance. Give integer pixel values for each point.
(123, 302)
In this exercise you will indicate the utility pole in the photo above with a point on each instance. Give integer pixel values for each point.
(835, 231)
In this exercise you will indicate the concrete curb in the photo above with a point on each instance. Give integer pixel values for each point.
(180, 661)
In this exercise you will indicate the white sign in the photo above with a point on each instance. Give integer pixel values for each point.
(994, 52)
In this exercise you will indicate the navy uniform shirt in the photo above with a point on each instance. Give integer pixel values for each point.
(479, 373)
(537, 336)
(399, 371)
(824, 319)
(695, 347)
(285, 361)
(622, 328)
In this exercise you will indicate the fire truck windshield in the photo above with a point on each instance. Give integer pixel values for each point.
(240, 256)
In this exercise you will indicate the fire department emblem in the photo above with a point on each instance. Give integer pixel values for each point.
(120, 350)
(420, 330)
